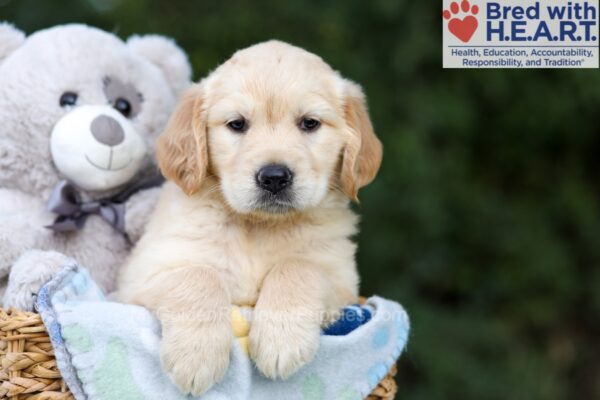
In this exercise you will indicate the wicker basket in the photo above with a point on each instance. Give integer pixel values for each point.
(28, 367)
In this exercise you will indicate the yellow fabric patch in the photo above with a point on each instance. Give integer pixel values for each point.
(244, 344)
(241, 328)
(240, 325)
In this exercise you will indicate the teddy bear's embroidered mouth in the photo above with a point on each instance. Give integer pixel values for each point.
(109, 169)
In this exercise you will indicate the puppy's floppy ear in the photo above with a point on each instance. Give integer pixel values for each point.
(182, 149)
(363, 151)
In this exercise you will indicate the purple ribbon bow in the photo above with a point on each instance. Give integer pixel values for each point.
(73, 212)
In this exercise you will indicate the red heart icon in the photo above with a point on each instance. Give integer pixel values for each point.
(463, 28)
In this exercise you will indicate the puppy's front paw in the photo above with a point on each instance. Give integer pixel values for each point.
(279, 347)
(195, 358)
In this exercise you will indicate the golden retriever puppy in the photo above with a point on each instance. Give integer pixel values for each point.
(263, 157)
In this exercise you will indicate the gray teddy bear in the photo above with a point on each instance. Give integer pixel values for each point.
(79, 114)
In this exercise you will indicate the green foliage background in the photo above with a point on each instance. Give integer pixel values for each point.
(484, 221)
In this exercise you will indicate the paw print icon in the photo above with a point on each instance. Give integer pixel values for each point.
(463, 28)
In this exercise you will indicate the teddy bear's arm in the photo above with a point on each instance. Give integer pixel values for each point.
(22, 226)
(29, 273)
(138, 211)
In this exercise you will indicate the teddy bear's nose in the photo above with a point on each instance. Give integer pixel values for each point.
(107, 130)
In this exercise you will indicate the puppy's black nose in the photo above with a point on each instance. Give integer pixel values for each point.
(274, 178)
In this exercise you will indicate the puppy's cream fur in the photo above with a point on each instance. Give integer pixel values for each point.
(209, 243)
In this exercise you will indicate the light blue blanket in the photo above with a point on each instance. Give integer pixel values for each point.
(109, 351)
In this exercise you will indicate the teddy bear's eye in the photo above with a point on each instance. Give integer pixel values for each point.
(68, 99)
(123, 106)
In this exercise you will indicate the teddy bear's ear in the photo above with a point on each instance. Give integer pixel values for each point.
(167, 56)
(10, 39)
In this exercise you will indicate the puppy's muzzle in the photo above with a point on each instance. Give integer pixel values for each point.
(274, 178)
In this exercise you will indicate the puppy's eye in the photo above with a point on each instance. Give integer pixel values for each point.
(68, 99)
(309, 124)
(238, 125)
(123, 106)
